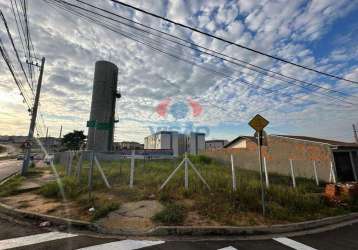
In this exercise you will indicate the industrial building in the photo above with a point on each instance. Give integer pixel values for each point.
(195, 143)
(127, 145)
(304, 152)
(215, 144)
(104, 95)
(178, 143)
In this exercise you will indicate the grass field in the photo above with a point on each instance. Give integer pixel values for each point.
(220, 204)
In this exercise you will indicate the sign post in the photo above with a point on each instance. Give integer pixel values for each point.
(259, 123)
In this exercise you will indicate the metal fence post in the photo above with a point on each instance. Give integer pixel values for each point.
(90, 176)
(332, 174)
(315, 172)
(292, 174)
(79, 167)
(186, 174)
(233, 174)
(266, 174)
(132, 170)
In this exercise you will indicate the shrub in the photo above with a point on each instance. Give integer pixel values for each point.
(201, 159)
(53, 190)
(171, 214)
(10, 187)
(103, 209)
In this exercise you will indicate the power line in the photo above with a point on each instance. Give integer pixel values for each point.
(11, 69)
(13, 46)
(18, 28)
(193, 46)
(170, 54)
(233, 43)
(304, 87)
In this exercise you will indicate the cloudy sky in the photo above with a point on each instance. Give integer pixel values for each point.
(192, 89)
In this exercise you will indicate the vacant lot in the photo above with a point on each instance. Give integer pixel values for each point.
(219, 205)
(197, 205)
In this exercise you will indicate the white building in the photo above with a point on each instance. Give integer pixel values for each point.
(179, 143)
(215, 144)
(196, 143)
(163, 140)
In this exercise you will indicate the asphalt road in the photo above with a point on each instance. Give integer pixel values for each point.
(10, 150)
(11, 237)
(9, 167)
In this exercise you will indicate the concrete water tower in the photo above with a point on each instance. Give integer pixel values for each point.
(104, 95)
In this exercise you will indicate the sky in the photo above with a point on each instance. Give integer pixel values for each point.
(200, 93)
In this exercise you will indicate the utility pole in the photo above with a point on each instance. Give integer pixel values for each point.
(60, 132)
(25, 164)
(46, 140)
(355, 133)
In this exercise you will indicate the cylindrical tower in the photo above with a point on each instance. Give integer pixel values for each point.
(104, 94)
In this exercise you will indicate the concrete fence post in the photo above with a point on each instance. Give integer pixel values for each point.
(70, 162)
(90, 176)
(266, 174)
(292, 174)
(131, 178)
(101, 172)
(233, 173)
(315, 173)
(332, 174)
(79, 167)
(186, 173)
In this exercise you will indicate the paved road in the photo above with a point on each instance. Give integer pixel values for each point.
(9, 167)
(10, 150)
(13, 236)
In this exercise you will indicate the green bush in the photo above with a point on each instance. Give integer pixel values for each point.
(10, 187)
(201, 159)
(103, 209)
(70, 187)
(171, 214)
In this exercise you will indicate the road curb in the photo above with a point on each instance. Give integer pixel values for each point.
(56, 221)
(180, 230)
(250, 230)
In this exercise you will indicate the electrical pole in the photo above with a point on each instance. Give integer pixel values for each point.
(60, 132)
(26, 162)
(46, 140)
(355, 133)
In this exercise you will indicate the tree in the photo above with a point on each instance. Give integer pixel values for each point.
(73, 140)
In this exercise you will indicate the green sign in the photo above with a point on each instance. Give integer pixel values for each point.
(99, 125)
(91, 124)
(104, 126)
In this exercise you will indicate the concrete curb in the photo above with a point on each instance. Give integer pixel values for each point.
(181, 230)
(56, 221)
(236, 231)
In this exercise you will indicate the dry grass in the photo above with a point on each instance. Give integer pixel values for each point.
(219, 204)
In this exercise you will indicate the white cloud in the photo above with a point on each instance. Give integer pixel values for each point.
(146, 77)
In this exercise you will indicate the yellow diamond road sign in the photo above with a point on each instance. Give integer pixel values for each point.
(258, 123)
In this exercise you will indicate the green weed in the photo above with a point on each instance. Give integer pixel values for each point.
(172, 214)
(10, 187)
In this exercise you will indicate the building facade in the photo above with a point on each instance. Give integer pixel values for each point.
(215, 144)
(195, 143)
(130, 145)
(178, 143)
(303, 152)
